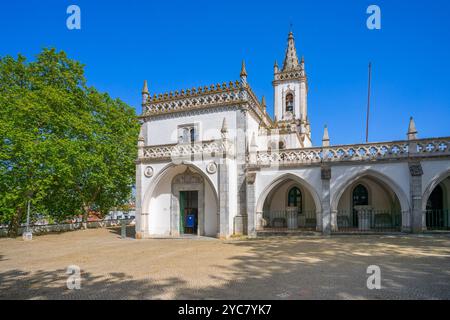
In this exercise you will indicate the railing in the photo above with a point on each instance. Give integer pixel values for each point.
(438, 219)
(357, 152)
(64, 227)
(369, 220)
(179, 151)
(285, 220)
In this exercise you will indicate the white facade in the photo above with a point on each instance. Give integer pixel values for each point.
(212, 162)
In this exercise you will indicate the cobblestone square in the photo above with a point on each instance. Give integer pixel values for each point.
(412, 267)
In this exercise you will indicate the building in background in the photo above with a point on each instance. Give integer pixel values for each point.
(212, 162)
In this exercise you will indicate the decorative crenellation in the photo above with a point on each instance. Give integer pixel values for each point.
(218, 95)
(193, 98)
(194, 92)
(357, 152)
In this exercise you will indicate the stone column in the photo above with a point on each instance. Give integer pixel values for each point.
(223, 198)
(327, 224)
(416, 218)
(141, 217)
(241, 148)
(251, 205)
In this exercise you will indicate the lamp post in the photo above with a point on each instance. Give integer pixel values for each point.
(28, 235)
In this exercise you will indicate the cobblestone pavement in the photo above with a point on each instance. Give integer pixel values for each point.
(412, 267)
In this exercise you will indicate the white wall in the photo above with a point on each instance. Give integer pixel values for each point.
(160, 131)
(211, 212)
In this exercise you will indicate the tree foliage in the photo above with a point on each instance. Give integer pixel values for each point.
(63, 145)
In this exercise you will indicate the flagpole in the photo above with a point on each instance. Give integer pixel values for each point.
(368, 103)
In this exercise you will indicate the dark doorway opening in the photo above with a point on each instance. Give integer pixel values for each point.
(360, 197)
(189, 212)
(436, 216)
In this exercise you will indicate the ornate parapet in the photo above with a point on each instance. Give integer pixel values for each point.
(195, 98)
(219, 95)
(298, 74)
(438, 147)
(179, 152)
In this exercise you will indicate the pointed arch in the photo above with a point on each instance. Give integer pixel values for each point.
(402, 197)
(435, 181)
(282, 179)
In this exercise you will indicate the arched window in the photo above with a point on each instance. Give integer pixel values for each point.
(290, 103)
(281, 145)
(360, 197)
(295, 198)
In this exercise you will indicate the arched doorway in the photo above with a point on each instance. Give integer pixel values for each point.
(177, 192)
(437, 213)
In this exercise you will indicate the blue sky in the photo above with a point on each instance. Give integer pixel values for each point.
(182, 44)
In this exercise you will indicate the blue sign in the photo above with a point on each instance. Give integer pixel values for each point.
(190, 221)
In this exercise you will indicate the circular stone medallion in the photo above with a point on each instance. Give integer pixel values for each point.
(148, 172)
(211, 168)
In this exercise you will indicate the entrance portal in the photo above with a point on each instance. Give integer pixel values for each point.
(189, 212)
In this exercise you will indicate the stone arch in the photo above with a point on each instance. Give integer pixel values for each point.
(435, 181)
(162, 177)
(394, 187)
(157, 178)
(303, 186)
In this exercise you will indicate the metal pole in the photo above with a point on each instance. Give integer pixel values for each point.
(28, 217)
(368, 103)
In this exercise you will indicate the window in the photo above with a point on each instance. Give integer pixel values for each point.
(192, 135)
(295, 198)
(187, 133)
(360, 198)
(290, 103)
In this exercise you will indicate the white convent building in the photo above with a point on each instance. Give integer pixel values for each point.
(212, 162)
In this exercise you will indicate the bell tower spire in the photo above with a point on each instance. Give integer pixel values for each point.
(291, 58)
(291, 90)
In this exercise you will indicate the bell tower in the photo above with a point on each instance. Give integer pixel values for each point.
(291, 91)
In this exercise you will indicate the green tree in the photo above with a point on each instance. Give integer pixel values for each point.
(65, 146)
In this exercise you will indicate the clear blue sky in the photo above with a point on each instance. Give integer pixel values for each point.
(181, 44)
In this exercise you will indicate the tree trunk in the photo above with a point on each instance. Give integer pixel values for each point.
(85, 217)
(13, 228)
